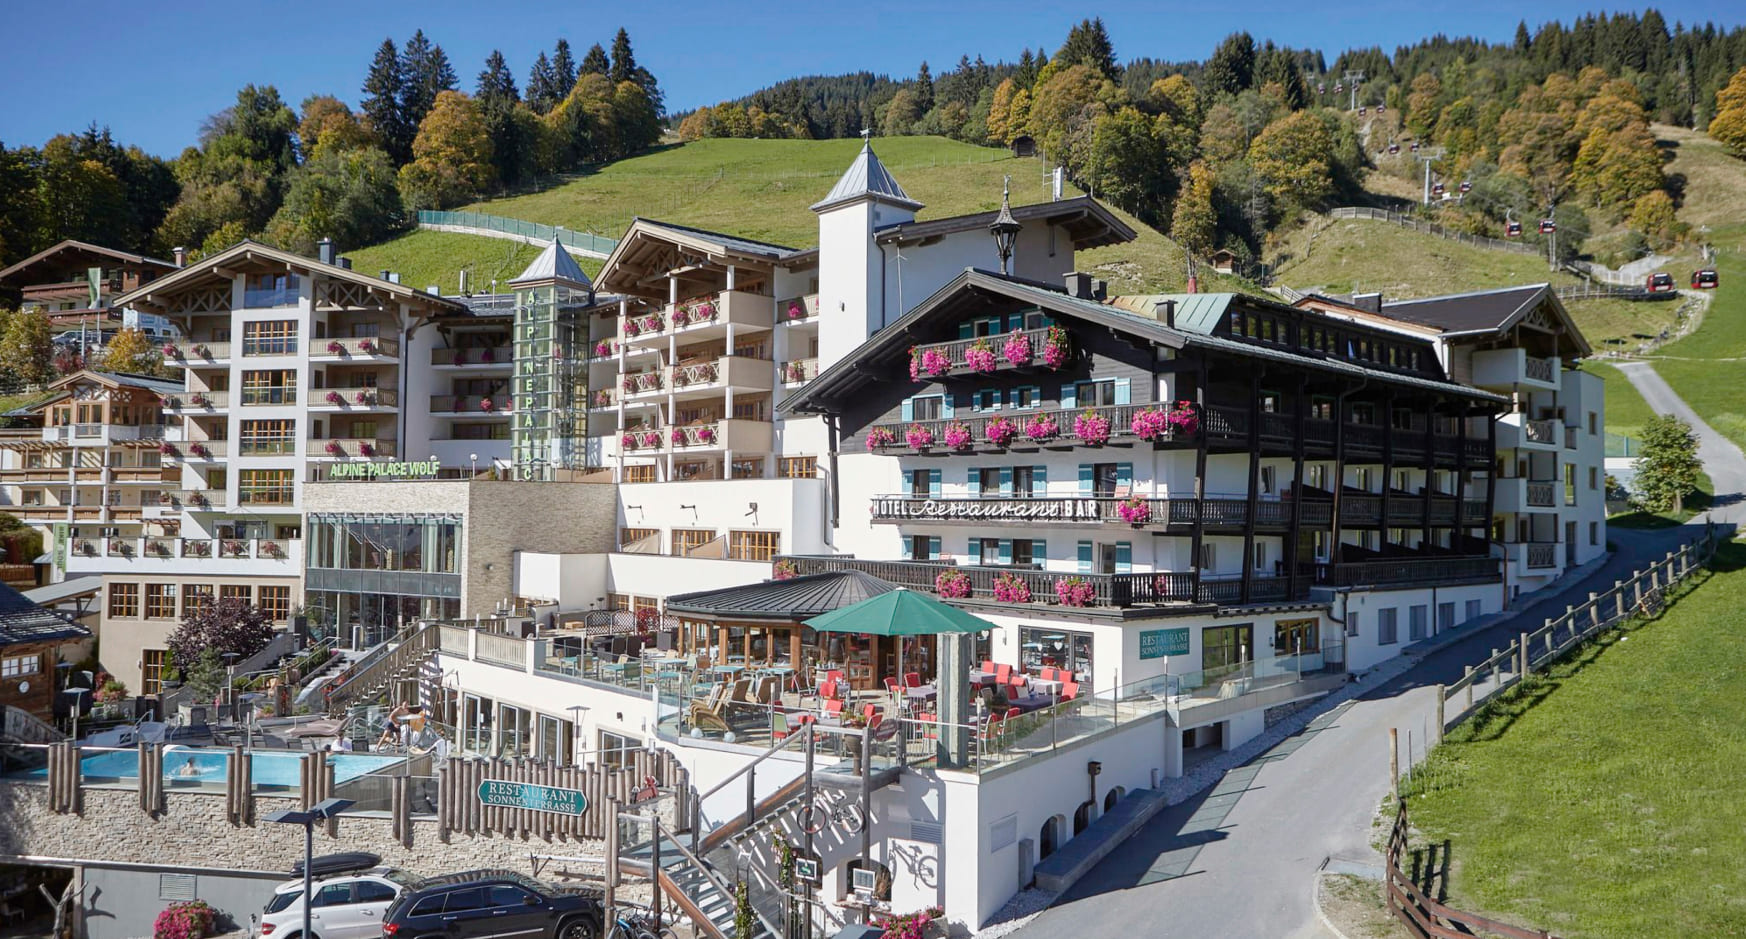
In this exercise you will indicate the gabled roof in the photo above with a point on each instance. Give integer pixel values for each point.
(88, 248)
(248, 251)
(22, 620)
(119, 380)
(649, 247)
(1484, 311)
(893, 342)
(866, 178)
(791, 600)
(1087, 222)
(554, 263)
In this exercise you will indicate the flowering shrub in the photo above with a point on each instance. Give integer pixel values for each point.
(952, 584)
(628, 441)
(957, 435)
(651, 438)
(784, 570)
(1055, 347)
(1011, 588)
(1183, 418)
(703, 312)
(603, 347)
(367, 347)
(1041, 428)
(880, 437)
(919, 437)
(335, 347)
(200, 451)
(979, 356)
(653, 323)
(362, 397)
(189, 920)
(796, 310)
(333, 397)
(917, 925)
(706, 435)
(167, 448)
(1091, 427)
(631, 328)
(1150, 424)
(1017, 349)
(1135, 510)
(914, 364)
(629, 383)
(681, 316)
(172, 352)
(602, 398)
(1000, 431)
(1074, 591)
(794, 371)
(334, 449)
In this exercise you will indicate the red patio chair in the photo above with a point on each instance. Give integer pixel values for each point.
(1012, 713)
(912, 679)
(834, 707)
(891, 686)
(1003, 675)
(988, 665)
(1069, 690)
(1065, 674)
(869, 711)
(1016, 686)
(1048, 673)
(835, 674)
(828, 689)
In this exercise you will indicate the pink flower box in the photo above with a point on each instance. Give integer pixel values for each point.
(1000, 431)
(783, 570)
(1092, 428)
(362, 397)
(1183, 418)
(1135, 511)
(980, 357)
(487, 405)
(880, 437)
(1074, 591)
(1017, 349)
(934, 363)
(334, 449)
(628, 441)
(957, 435)
(1042, 428)
(918, 437)
(1055, 348)
(1010, 588)
(335, 347)
(1150, 424)
(366, 449)
(651, 438)
(334, 398)
(952, 585)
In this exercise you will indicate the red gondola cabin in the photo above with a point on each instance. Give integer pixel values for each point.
(1513, 230)
(1704, 280)
(1547, 226)
(1659, 282)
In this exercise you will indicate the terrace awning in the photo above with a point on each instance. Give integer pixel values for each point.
(899, 613)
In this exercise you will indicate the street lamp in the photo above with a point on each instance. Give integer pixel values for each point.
(230, 683)
(75, 692)
(320, 812)
(473, 460)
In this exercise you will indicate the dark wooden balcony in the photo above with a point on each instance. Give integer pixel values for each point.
(1411, 570)
(1121, 433)
(1178, 514)
(958, 365)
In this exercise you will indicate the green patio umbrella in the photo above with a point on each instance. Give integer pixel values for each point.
(899, 612)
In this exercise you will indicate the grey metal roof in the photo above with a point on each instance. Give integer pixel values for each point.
(1466, 312)
(731, 242)
(22, 620)
(72, 587)
(794, 599)
(866, 178)
(1087, 221)
(554, 263)
(148, 382)
(1195, 312)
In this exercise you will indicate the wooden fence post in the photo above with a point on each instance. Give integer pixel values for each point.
(1527, 660)
(1394, 761)
(1439, 727)
(1619, 599)
(1469, 680)
(612, 856)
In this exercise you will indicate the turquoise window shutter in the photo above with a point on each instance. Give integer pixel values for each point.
(1121, 391)
(933, 549)
(993, 398)
(1069, 397)
(934, 483)
(1006, 480)
(973, 551)
(973, 481)
(1087, 482)
(908, 484)
(908, 549)
(1039, 480)
(1124, 557)
(1036, 394)
(1125, 475)
(1040, 551)
(1006, 550)
(1085, 557)
(964, 330)
(909, 409)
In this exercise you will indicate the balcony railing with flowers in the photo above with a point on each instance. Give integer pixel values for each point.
(799, 370)
(360, 347)
(188, 498)
(1034, 429)
(196, 354)
(797, 309)
(472, 404)
(362, 398)
(346, 447)
(639, 383)
(696, 312)
(694, 436)
(484, 357)
(641, 438)
(603, 398)
(1046, 348)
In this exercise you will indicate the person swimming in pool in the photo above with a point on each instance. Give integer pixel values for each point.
(188, 769)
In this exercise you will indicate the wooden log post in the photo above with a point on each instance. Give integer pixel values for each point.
(1438, 727)
(612, 848)
(1619, 599)
(1394, 761)
(1594, 615)
(1527, 660)
(1468, 678)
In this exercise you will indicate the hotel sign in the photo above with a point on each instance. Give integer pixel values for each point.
(1158, 643)
(520, 795)
(426, 469)
(1038, 510)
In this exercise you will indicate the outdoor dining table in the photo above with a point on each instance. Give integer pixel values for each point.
(1048, 686)
(921, 693)
(979, 677)
(729, 669)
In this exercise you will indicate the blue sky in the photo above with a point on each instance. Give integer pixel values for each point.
(152, 71)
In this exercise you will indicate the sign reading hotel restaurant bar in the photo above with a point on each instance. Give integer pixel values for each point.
(1158, 643)
(1056, 510)
(426, 469)
(520, 795)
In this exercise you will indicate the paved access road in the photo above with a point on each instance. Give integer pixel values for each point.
(1240, 859)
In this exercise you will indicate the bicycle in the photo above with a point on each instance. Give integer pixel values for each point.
(638, 924)
(821, 813)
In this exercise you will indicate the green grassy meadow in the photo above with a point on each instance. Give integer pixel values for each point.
(1350, 255)
(1602, 800)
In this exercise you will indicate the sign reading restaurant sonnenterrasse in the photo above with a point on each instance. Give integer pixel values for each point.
(426, 469)
(520, 795)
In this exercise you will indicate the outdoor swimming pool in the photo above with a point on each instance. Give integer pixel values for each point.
(271, 768)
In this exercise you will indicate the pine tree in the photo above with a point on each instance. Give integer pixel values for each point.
(542, 92)
(497, 100)
(1232, 66)
(595, 62)
(924, 89)
(426, 73)
(1669, 468)
(496, 84)
(1026, 74)
(624, 63)
(381, 106)
(564, 67)
(1088, 44)
(1523, 41)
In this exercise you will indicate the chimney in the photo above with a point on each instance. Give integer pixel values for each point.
(181, 255)
(1165, 312)
(1193, 284)
(345, 263)
(393, 278)
(1100, 290)
(1369, 302)
(324, 251)
(386, 274)
(1079, 285)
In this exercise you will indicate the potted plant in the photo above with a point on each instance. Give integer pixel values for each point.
(1016, 349)
(1011, 588)
(934, 363)
(167, 448)
(203, 350)
(488, 355)
(460, 357)
(651, 438)
(367, 347)
(1000, 431)
(200, 450)
(918, 437)
(678, 436)
(1184, 419)
(334, 449)
(706, 435)
(335, 398)
(980, 356)
(1150, 424)
(271, 549)
(1074, 591)
(603, 348)
(335, 347)
(363, 397)
(1056, 349)
(922, 924)
(796, 310)
(957, 435)
(1041, 428)
(366, 449)
(628, 441)
(784, 569)
(1091, 428)
(1135, 511)
(952, 584)
(880, 437)
(681, 317)
(631, 328)
(487, 405)
(172, 351)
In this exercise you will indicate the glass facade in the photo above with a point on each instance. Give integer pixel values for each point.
(550, 398)
(367, 574)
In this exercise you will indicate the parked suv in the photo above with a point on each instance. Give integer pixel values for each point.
(487, 904)
(352, 891)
